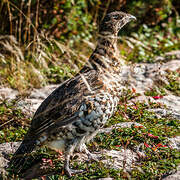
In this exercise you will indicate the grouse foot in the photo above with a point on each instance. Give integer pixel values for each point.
(71, 172)
(68, 170)
(92, 156)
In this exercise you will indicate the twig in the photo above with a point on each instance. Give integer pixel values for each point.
(36, 25)
(6, 123)
(10, 17)
(20, 21)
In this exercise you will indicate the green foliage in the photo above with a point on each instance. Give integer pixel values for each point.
(71, 20)
(58, 74)
(14, 122)
(64, 19)
(155, 92)
(174, 82)
(12, 134)
(172, 85)
(150, 12)
(149, 43)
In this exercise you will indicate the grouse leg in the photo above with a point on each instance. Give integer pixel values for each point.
(83, 148)
(68, 170)
(69, 151)
(89, 154)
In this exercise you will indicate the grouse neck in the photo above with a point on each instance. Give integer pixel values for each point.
(104, 55)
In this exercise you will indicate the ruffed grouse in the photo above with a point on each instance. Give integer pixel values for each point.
(74, 112)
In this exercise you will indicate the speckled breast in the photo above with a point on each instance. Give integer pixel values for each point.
(96, 110)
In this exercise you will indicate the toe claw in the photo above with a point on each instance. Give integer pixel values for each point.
(71, 172)
(93, 157)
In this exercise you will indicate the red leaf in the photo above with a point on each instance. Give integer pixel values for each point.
(151, 135)
(157, 97)
(138, 126)
(44, 159)
(50, 162)
(161, 145)
(133, 90)
(147, 145)
(154, 149)
(118, 145)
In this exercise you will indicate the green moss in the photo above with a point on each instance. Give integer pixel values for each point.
(14, 122)
(155, 92)
(174, 82)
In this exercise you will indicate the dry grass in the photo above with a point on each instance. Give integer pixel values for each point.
(22, 69)
(27, 55)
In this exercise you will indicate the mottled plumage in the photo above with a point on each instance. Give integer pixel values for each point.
(73, 113)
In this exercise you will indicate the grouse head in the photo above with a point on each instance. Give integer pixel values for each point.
(114, 21)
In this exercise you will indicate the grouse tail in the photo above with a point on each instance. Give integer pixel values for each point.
(20, 157)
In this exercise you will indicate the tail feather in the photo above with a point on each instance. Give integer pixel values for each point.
(20, 157)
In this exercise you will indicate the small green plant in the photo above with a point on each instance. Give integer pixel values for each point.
(156, 92)
(57, 75)
(149, 43)
(14, 123)
(174, 82)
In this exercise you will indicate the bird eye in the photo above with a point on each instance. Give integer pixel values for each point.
(116, 17)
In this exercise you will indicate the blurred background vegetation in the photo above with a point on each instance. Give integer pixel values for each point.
(48, 41)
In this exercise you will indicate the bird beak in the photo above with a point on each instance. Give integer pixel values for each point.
(132, 18)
